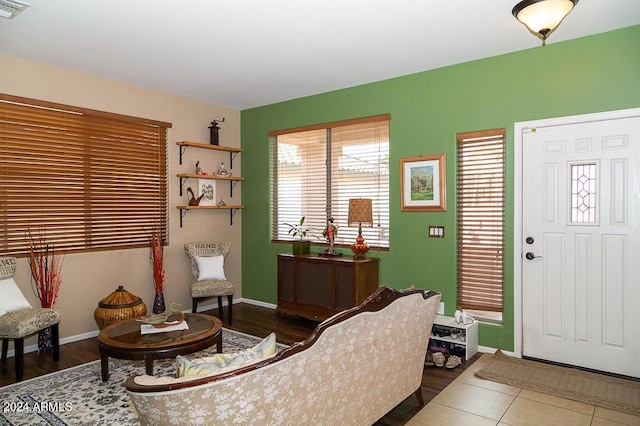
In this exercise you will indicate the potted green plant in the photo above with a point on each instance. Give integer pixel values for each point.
(298, 230)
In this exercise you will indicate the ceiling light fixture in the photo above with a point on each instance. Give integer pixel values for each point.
(542, 17)
(10, 8)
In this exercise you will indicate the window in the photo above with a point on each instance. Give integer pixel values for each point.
(584, 186)
(88, 179)
(481, 221)
(317, 169)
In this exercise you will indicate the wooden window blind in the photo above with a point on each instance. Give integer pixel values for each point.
(315, 170)
(89, 180)
(481, 219)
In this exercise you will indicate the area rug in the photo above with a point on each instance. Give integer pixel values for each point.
(77, 395)
(578, 385)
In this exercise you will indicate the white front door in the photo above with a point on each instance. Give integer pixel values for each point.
(580, 244)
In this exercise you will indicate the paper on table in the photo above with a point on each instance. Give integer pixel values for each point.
(150, 329)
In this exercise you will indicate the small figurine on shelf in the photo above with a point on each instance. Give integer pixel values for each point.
(222, 171)
(221, 203)
(330, 233)
(198, 168)
(193, 201)
(215, 129)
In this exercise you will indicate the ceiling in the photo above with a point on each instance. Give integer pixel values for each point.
(248, 53)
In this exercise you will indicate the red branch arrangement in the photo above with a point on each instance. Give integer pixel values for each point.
(157, 261)
(45, 268)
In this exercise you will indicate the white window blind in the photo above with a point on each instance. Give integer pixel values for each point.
(90, 180)
(317, 169)
(481, 219)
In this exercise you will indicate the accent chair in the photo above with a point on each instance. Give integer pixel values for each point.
(19, 322)
(208, 277)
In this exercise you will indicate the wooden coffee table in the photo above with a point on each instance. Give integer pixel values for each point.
(124, 341)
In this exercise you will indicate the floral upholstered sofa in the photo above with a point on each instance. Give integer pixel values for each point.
(354, 368)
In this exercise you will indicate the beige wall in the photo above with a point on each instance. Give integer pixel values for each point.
(88, 278)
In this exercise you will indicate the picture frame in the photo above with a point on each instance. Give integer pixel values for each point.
(207, 188)
(423, 183)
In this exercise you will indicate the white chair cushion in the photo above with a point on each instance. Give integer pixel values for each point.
(11, 298)
(210, 268)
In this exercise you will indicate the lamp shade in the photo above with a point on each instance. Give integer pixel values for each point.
(360, 212)
(542, 17)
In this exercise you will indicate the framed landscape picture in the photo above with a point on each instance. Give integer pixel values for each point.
(207, 188)
(423, 183)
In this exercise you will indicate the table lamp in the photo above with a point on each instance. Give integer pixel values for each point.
(360, 212)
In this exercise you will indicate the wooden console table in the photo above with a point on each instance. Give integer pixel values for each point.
(316, 287)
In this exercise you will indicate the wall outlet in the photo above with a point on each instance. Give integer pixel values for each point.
(440, 309)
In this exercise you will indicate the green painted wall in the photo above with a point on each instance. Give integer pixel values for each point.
(592, 74)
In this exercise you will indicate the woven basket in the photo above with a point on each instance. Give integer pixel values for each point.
(118, 306)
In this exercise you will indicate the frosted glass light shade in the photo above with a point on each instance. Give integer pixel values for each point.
(542, 17)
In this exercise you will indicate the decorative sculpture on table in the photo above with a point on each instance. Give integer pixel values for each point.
(330, 233)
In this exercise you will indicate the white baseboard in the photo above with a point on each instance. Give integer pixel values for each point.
(214, 305)
(488, 350)
(260, 303)
(91, 334)
(207, 307)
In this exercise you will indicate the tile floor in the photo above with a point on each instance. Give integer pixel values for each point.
(469, 400)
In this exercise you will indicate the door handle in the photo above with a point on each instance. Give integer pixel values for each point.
(531, 256)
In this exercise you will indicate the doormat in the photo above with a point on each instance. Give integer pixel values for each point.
(583, 386)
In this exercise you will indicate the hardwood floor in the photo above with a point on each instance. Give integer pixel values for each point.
(249, 319)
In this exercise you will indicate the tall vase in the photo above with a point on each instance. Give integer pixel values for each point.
(45, 340)
(158, 303)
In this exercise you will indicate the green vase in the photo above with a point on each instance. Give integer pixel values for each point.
(301, 247)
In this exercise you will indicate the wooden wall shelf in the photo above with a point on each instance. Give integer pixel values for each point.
(233, 180)
(232, 210)
(232, 151)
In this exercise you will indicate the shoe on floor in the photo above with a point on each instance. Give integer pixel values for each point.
(453, 362)
(438, 359)
(428, 361)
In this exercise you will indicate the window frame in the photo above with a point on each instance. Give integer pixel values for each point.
(346, 235)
